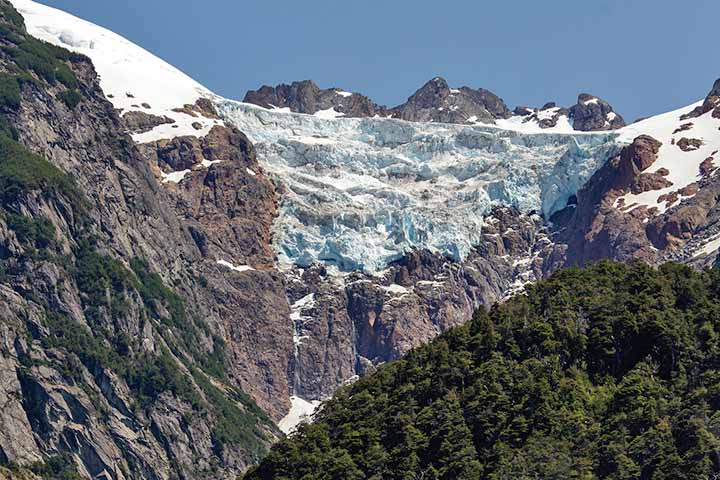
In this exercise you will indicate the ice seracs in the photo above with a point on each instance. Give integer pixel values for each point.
(359, 193)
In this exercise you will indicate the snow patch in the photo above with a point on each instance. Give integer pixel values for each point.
(329, 113)
(238, 268)
(344, 94)
(129, 75)
(711, 246)
(684, 166)
(174, 177)
(301, 411)
(208, 163)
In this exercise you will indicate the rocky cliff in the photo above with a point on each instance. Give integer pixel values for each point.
(123, 343)
(181, 272)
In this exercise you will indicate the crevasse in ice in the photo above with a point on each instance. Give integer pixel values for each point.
(361, 192)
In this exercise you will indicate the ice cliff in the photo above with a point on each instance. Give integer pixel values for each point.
(361, 192)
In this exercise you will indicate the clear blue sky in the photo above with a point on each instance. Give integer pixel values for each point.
(643, 56)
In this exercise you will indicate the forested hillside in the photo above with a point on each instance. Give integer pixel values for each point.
(608, 372)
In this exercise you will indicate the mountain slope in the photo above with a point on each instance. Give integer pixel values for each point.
(608, 372)
(117, 360)
(327, 243)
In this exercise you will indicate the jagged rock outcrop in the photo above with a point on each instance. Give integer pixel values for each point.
(437, 102)
(434, 102)
(593, 228)
(711, 103)
(344, 325)
(141, 122)
(228, 205)
(307, 97)
(592, 113)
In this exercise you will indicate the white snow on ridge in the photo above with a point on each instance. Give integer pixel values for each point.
(684, 167)
(131, 77)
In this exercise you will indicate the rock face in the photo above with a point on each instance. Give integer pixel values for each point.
(124, 345)
(345, 325)
(434, 102)
(592, 113)
(614, 217)
(437, 102)
(144, 318)
(593, 228)
(307, 97)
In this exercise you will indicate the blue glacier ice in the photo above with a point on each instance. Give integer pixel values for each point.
(358, 193)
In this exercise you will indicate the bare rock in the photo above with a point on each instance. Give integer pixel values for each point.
(141, 122)
(592, 113)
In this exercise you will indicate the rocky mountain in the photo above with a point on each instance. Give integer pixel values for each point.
(436, 101)
(229, 265)
(118, 324)
(307, 97)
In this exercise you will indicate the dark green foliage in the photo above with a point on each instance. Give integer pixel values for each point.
(71, 98)
(44, 59)
(104, 281)
(155, 293)
(36, 232)
(605, 373)
(12, 17)
(234, 426)
(151, 375)
(90, 349)
(9, 91)
(58, 467)
(22, 171)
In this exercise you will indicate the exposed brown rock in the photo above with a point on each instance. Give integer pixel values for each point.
(646, 182)
(684, 127)
(707, 166)
(689, 190)
(689, 144)
(592, 113)
(141, 122)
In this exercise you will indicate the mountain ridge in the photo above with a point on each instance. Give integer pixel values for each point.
(435, 102)
(253, 217)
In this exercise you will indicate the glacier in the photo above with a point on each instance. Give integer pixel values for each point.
(359, 193)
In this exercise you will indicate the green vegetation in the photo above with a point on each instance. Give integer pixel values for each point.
(43, 59)
(36, 232)
(9, 91)
(22, 171)
(234, 426)
(604, 373)
(71, 98)
(58, 467)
